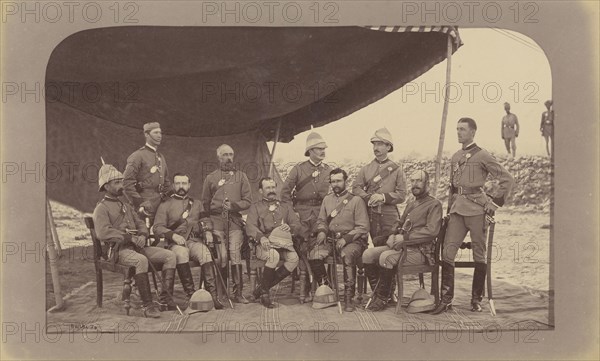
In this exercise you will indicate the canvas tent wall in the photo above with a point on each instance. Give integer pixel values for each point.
(214, 85)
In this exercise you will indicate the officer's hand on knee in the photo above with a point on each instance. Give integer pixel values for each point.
(340, 243)
(139, 241)
(265, 243)
(178, 239)
(321, 238)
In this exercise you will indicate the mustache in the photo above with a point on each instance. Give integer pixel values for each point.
(271, 194)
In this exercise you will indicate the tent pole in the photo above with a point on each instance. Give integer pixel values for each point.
(438, 161)
(274, 146)
(53, 255)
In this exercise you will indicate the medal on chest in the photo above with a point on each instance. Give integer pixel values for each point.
(377, 179)
(221, 182)
(272, 207)
(315, 174)
(185, 214)
(153, 169)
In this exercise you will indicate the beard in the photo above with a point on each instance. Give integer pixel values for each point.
(271, 195)
(119, 192)
(227, 165)
(417, 191)
(181, 192)
(337, 190)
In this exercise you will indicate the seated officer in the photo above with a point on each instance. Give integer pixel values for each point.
(343, 216)
(272, 223)
(182, 221)
(117, 224)
(420, 225)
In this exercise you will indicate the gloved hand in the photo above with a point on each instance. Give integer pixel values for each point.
(490, 207)
(265, 243)
(178, 239)
(139, 241)
(340, 243)
(145, 208)
(321, 238)
(209, 238)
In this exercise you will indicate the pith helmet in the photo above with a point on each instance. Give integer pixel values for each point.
(281, 239)
(324, 297)
(201, 300)
(314, 140)
(383, 135)
(421, 301)
(106, 174)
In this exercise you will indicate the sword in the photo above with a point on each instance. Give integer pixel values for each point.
(218, 268)
(492, 221)
(335, 280)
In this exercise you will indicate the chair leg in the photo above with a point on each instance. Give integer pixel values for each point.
(421, 281)
(293, 276)
(99, 286)
(435, 288)
(399, 276)
(127, 293)
(252, 278)
(360, 280)
(302, 285)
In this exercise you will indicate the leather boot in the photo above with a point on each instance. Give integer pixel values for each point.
(210, 283)
(221, 291)
(185, 276)
(280, 274)
(382, 293)
(238, 284)
(319, 272)
(262, 291)
(349, 287)
(143, 286)
(372, 274)
(477, 287)
(447, 291)
(168, 277)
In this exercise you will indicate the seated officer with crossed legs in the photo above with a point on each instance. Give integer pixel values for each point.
(182, 221)
(419, 226)
(117, 224)
(273, 223)
(344, 214)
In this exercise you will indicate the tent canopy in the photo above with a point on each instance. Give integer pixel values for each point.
(213, 85)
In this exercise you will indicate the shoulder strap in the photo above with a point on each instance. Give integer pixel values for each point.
(303, 182)
(379, 177)
(339, 208)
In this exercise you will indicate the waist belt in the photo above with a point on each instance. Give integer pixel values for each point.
(509, 126)
(547, 121)
(310, 202)
(466, 190)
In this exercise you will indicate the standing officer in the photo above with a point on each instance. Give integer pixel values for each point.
(146, 174)
(225, 193)
(468, 206)
(547, 124)
(184, 223)
(305, 187)
(419, 225)
(510, 130)
(343, 217)
(273, 224)
(117, 224)
(382, 186)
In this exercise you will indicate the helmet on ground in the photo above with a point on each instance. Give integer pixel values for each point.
(324, 297)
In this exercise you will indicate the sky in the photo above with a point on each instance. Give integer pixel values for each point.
(492, 67)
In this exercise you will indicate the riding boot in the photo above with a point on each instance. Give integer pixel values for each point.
(447, 290)
(238, 284)
(221, 287)
(349, 286)
(262, 291)
(280, 274)
(319, 273)
(210, 283)
(372, 274)
(143, 286)
(185, 276)
(381, 296)
(477, 287)
(166, 291)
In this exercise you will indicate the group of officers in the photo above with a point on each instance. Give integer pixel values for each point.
(316, 215)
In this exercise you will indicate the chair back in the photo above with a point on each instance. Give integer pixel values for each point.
(98, 252)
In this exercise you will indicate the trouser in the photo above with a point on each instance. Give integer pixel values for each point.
(236, 238)
(158, 256)
(272, 257)
(350, 256)
(511, 144)
(381, 223)
(388, 258)
(458, 226)
(308, 218)
(195, 250)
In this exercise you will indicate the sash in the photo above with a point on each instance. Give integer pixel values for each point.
(377, 180)
(339, 208)
(183, 217)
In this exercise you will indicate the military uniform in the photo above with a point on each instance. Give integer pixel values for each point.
(470, 169)
(547, 124)
(510, 130)
(234, 186)
(186, 217)
(421, 222)
(146, 176)
(345, 214)
(384, 177)
(263, 219)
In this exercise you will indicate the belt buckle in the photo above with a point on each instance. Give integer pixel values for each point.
(460, 190)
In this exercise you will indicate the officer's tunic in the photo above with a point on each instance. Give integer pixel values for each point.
(547, 124)
(469, 173)
(421, 221)
(352, 220)
(263, 217)
(235, 186)
(393, 187)
(112, 219)
(146, 176)
(169, 213)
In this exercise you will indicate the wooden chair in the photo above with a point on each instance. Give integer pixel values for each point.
(101, 263)
(420, 270)
(361, 287)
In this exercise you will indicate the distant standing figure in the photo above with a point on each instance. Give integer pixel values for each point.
(510, 130)
(547, 125)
